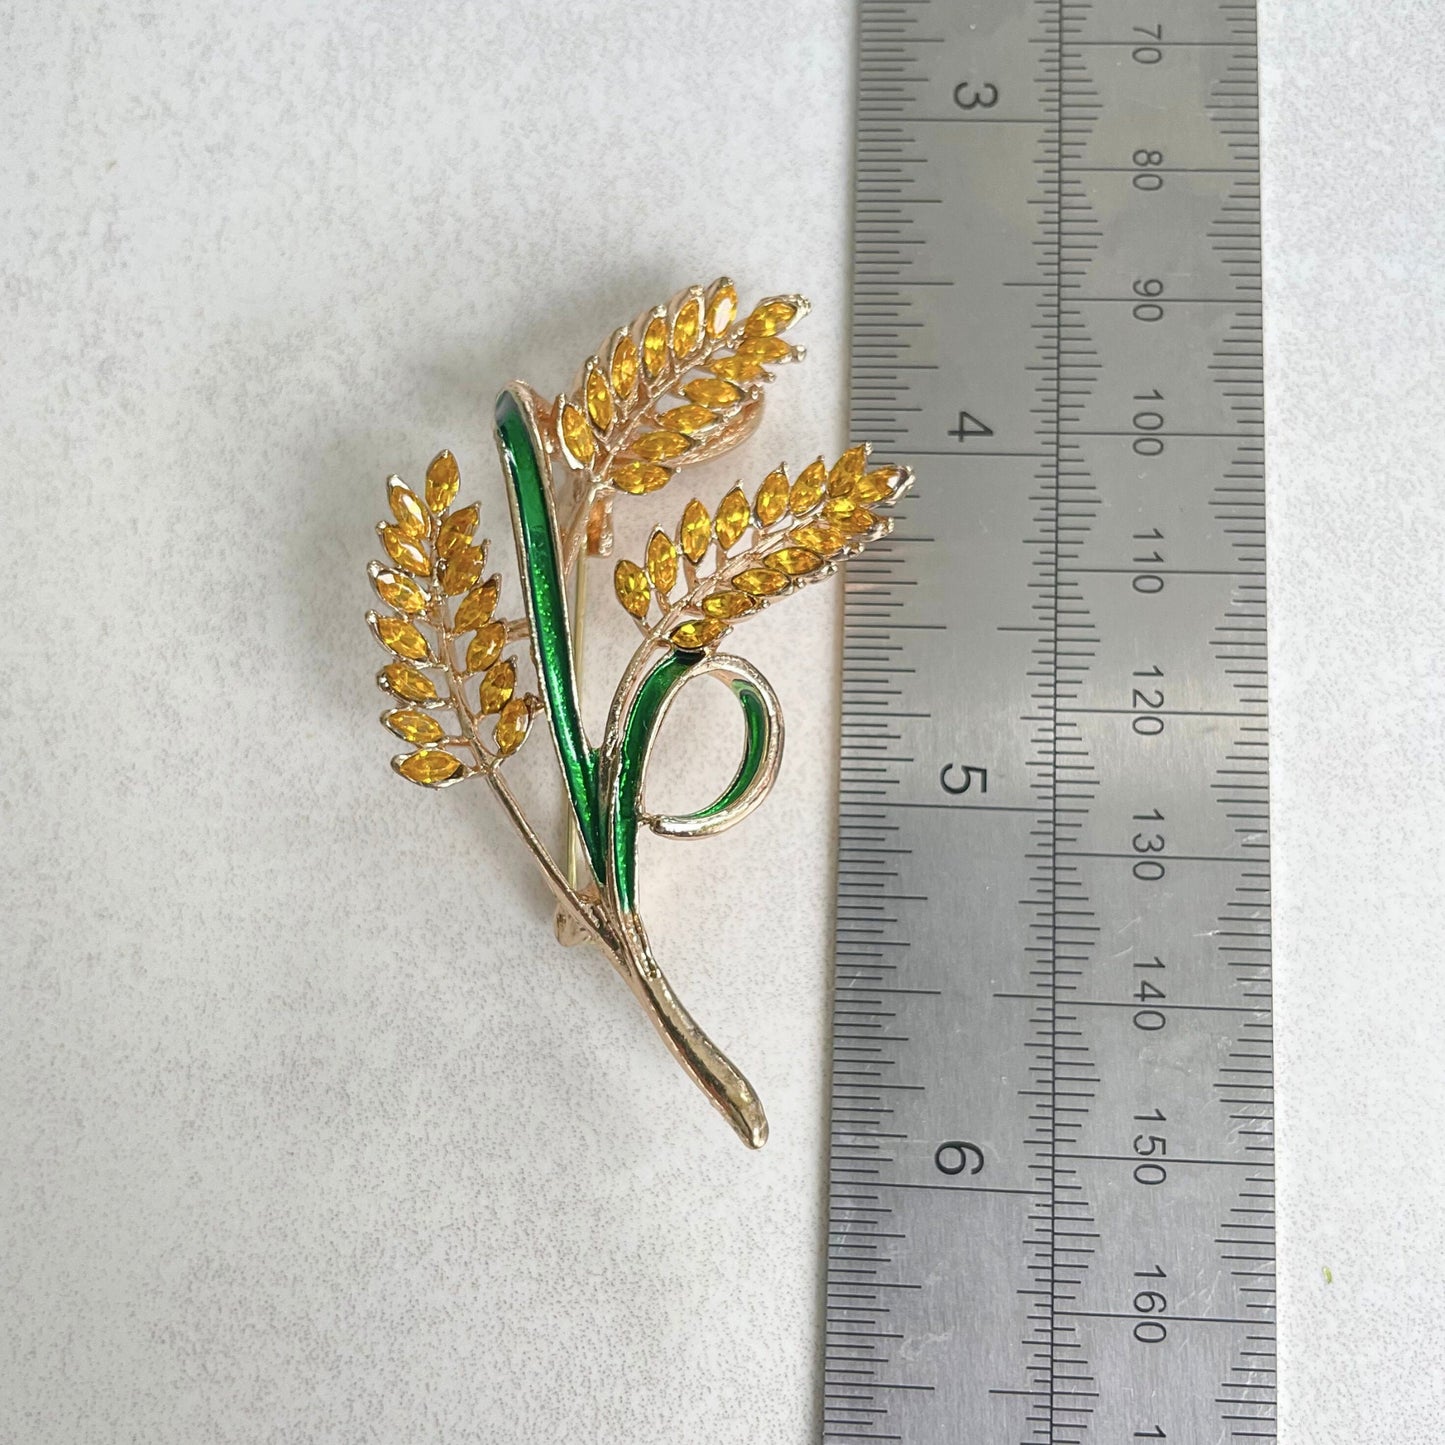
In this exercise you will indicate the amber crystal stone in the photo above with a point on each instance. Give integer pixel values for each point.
(733, 518)
(633, 589)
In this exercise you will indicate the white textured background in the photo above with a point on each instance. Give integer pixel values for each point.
(308, 1132)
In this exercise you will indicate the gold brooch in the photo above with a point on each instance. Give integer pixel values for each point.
(681, 385)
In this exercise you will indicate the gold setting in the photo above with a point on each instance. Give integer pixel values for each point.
(682, 384)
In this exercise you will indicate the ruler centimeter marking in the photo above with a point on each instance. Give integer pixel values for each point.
(1051, 1170)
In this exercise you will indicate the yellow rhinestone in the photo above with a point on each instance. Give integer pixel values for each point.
(497, 686)
(687, 328)
(770, 318)
(512, 724)
(662, 562)
(429, 767)
(735, 368)
(624, 366)
(463, 568)
(399, 592)
(599, 400)
(733, 518)
(819, 537)
(727, 604)
(457, 530)
(486, 647)
(405, 681)
(687, 419)
(695, 531)
(722, 309)
(810, 488)
(698, 633)
(406, 507)
(710, 391)
(760, 582)
(443, 478)
(636, 478)
(658, 446)
(415, 727)
(633, 589)
(877, 486)
(772, 499)
(654, 347)
(847, 470)
(476, 608)
(764, 348)
(795, 561)
(404, 552)
(402, 638)
(576, 434)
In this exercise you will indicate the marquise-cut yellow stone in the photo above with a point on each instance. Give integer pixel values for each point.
(722, 309)
(662, 562)
(687, 328)
(760, 581)
(415, 727)
(764, 348)
(624, 366)
(733, 518)
(476, 608)
(810, 488)
(727, 604)
(512, 724)
(772, 499)
(698, 633)
(498, 685)
(404, 552)
(599, 400)
(847, 471)
(637, 478)
(659, 446)
(735, 368)
(688, 419)
(486, 647)
(402, 638)
(770, 318)
(457, 530)
(654, 347)
(576, 434)
(633, 589)
(399, 592)
(819, 537)
(443, 477)
(406, 507)
(463, 568)
(694, 532)
(405, 681)
(795, 561)
(877, 486)
(712, 391)
(429, 767)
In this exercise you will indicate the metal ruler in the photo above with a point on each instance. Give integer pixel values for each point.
(1051, 1200)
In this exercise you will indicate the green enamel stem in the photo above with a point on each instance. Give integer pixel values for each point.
(540, 556)
(647, 708)
(755, 720)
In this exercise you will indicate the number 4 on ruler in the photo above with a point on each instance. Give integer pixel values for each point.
(969, 426)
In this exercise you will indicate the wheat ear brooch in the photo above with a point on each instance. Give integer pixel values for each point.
(682, 384)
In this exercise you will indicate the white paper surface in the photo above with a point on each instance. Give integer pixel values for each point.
(309, 1132)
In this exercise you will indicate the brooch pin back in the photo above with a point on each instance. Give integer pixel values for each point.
(681, 385)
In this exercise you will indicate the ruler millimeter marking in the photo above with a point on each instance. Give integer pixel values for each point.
(1051, 1198)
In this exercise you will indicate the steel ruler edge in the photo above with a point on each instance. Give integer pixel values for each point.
(1051, 1151)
